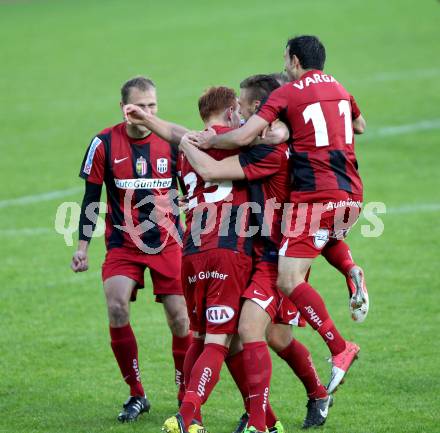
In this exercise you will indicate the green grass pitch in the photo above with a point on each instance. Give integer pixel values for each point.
(62, 64)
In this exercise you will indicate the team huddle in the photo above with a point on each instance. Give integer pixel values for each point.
(271, 183)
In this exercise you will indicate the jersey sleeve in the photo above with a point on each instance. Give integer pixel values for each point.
(276, 103)
(261, 161)
(93, 165)
(355, 111)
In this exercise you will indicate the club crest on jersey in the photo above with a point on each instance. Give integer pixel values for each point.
(141, 166)
(320, 238)
(162, 165)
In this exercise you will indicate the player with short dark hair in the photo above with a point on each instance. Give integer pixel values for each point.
(142, 231)
(323, 117)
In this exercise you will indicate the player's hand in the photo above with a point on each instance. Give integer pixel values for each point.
(278, 133)
(182, 202)
(187, 140)
(134, 114)
(202, 139)
(80, 261)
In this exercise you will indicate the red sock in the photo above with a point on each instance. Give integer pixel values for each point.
(124, 347)
(271, 418)
(300, 361)
(204, 376)
(192, 354)
(339, 256)
(258, 371)
(180, 346)
(312, 308)
(237, 369)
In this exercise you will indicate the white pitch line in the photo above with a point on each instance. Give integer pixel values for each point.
(38, 198)
(405, 75)
(409, 128)
(413, 208)
(27, 231)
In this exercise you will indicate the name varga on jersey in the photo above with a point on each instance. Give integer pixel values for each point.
(317, 78)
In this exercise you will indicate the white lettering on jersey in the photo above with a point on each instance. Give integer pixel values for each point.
(91, 153)
(143, 183)
(317, 78)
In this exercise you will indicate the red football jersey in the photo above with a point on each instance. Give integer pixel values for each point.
(141, 183)
(214, 218)
(267, 169)
(319, 112)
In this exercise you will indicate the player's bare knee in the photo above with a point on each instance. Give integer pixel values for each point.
(284, 284)
(118, 313)
(247, 331)
(179, 324)
(277, 340)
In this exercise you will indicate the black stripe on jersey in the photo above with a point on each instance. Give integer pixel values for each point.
(199, 220)
(229, 241)
(174, 151)
(303, 175)
(338, 165)
(116, 238)
(144, 151)
(270, 251)
(255, 154)
(257, 196)
(189, 247)
(150, 238)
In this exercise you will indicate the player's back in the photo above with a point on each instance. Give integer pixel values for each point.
(214, 218)
(319, 111)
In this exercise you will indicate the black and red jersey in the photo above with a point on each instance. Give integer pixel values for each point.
(319, 112)
(215, 218)
(267, 169)
(141, 183)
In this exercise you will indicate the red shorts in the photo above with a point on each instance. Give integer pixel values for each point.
(165, 269)
(213, 282)
(263, 291)
(313, 224)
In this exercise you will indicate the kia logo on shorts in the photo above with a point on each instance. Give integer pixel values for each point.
(219, 314)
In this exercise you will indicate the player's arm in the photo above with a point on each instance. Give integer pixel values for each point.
(231, 140)
(87, 223)
(209, 168)
(275, 133)
(253, 163)
(359, 123)
(170, 132)
(92, 171)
